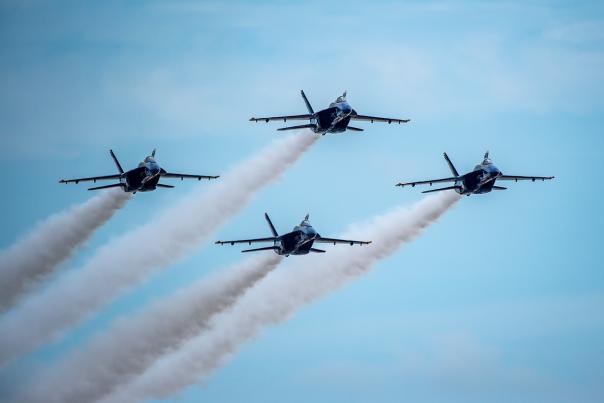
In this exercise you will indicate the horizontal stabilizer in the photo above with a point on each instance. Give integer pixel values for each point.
(315, 250)
(499, 188)
(115, 185)
(259, 249)
(161, 185)
(441, 189)
(308, 126)
(355, 129)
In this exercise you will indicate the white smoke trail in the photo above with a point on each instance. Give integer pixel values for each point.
(33, 258)
(131, 258)
(279, 296)
(134, 343)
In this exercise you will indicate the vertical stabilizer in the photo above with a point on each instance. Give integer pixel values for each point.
(270, 224)
(117, 163)
(451, 166)
(307, 103)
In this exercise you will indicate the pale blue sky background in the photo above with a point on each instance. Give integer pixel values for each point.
(500, 301)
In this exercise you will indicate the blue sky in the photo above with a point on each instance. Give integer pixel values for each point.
(499, 301)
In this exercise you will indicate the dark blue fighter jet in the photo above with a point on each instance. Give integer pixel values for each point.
(480, 180)
(298, 242)
(143, 178)
(334, 119)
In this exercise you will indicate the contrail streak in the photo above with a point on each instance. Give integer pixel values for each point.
(129, 259)
(132, 344)
(33, 258)
(281, 295)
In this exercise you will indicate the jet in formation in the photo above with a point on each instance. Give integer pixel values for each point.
(334, 119)
(298, 242)
(143, 178)
(481, 180)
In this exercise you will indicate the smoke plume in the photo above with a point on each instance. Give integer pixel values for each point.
(33, 258)
(129, 259)
(280, 295)
(133, 343)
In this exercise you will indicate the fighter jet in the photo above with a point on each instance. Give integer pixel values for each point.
(298, 242)
(143, 178)
(480, 180)
(334, 119)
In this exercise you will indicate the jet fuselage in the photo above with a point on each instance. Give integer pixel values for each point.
(144, 178)
(334, 119)
(297, 242)
(479, 181)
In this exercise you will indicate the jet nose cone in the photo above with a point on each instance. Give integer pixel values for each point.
(153, 169)
(345, 109)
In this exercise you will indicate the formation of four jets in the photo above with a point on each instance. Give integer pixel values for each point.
(334, 119)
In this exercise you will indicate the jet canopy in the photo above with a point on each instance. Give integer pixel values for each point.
(305, 222)
(341, 98)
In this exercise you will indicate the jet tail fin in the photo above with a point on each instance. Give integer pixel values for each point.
(307, 103)
(308, 126)
(499, 188)
(441, 189)
(315, 250)
(259, 249)
(161, 185)
(451, 166)
(117, 163)
(115, 185)
(270, 224)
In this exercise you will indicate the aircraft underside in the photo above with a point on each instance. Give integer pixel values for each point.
(326, 122)
(135, 181)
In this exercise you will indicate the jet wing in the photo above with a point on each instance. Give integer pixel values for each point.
(187, 176)
(428, 182)
(283, 118)
(91, 179)
(378, 119)
(248, 241)
(523, 178)
(335, 241)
